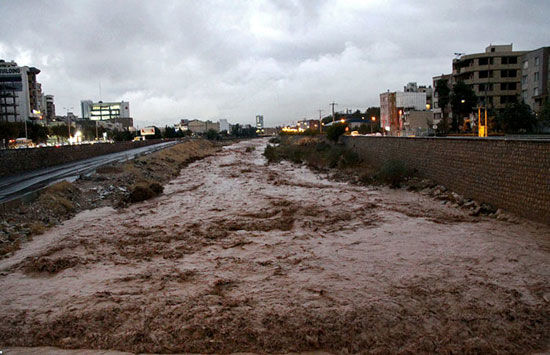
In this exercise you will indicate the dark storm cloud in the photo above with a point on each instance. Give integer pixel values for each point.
(229, 59)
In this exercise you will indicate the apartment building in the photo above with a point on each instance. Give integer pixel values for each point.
(494, 76)
(534, 77)
(20, 94)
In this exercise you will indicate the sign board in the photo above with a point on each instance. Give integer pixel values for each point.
(147, 131)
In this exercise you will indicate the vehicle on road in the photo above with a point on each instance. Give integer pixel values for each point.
(19, 143)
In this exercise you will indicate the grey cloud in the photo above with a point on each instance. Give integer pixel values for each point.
(232, 59)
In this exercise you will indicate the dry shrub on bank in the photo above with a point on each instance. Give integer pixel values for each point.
(144, 190)
(59, 197)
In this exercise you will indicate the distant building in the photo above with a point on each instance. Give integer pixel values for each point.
(20, 94)
(50, 108)
(303, 125)
(494, 76)
(413, 87)
(393, 106)
(259, 124)
(534, 77)
(101, 111)
(198, 126)
(418, 123)
(224, 126)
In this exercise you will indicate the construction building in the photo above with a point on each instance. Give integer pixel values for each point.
(494, 76)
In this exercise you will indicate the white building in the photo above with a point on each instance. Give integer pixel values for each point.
(101, 111)
(224, 125)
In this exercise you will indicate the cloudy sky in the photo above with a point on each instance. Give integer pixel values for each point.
(235, 59)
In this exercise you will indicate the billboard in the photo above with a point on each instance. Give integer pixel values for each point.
(147, 131)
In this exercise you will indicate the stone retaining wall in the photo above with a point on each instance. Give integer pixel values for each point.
(510, 174)
(16, 161)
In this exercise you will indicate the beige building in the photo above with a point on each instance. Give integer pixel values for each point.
(198, 126)
(495, 75)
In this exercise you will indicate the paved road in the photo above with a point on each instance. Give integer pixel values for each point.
(13, 187)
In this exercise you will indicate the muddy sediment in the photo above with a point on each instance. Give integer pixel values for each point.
(240, 256)
(113, 185)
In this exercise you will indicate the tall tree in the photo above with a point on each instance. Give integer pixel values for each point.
(443, 94)
(516, 118)
(463, 101)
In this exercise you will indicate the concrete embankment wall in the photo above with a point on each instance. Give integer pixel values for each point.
(16, 161)
(510, 174)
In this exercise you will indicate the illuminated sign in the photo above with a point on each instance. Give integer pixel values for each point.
(10, 71)
(147, 131)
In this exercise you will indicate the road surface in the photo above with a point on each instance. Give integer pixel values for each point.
(17, 186)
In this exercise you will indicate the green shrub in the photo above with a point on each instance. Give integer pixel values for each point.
(393, 172)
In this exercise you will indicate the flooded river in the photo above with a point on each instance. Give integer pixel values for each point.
(237, 255)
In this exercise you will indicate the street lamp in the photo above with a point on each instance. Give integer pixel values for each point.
(372, 122)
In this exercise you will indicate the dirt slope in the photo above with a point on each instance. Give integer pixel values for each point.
(239, 256)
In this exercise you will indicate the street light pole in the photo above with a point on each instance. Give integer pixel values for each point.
(371, 123)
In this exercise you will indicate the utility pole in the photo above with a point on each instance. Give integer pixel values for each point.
(320, 121)
(332, 104)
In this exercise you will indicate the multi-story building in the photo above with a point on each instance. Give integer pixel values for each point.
(393, 106)
(534, 77)
(101, 111)
(20, 94)
(494, 76)
(50, 108)
(259, 124)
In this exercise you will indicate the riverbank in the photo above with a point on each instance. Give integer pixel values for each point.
(111, 185)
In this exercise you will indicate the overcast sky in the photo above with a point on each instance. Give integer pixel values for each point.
(235, 59)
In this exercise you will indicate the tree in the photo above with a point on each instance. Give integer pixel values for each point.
(544, 115)
(170, 132)
(37, 132)
(463, 100)
(211, 134)
(516, 117)
(335, 131)
(443, 94)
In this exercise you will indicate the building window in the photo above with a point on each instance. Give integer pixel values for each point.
(536, 61)
(485, 74)
(508, 73)
(525, 64)
(524, 95)
(535, 91)
(507, 86)
(485, 61)
(509, 60)
(536, 77)
(524, 80)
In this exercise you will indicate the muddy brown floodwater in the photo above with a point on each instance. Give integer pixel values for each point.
(239, 256)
